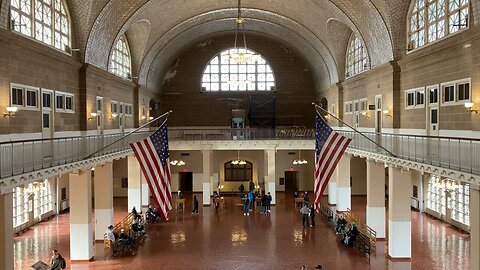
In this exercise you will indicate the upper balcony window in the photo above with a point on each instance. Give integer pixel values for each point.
(120, 60)
(45, 20)
(223, 74)
(357, 57)
(431, 20)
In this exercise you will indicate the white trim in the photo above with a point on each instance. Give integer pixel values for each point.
(414, 91)
(64, 96)
(455, 90)
(52, 101)
(25, 88)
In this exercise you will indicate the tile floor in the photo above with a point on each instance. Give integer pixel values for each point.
(229, 240)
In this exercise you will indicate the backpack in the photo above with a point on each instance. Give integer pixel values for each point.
(63, 263)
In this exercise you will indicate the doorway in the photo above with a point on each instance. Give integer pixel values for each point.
(185, 181)
(291, 182)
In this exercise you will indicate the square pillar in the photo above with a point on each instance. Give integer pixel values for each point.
(81, 238)
(332, 188)
(145, 193)
(399, 213)
(6, 231)
(376, 197)
(474, 229)
(134, 184)
(344, 190)
(103, 189)
(270, 179)
(207, 175)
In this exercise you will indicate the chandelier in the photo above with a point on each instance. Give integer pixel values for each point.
(241, 55)
(177, 162)
(299, 161)
(238, 161)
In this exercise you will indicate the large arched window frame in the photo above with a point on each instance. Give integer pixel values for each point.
(357, 57)
(225, 75)
(120, 62)
(44, 20)
(431, 20)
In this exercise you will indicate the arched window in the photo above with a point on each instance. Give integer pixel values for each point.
(430, 20)
(120, 61)
(45, 20)
(238, 172)
(357, 56)
(224, 74)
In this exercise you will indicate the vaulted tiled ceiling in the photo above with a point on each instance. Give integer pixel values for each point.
(157, 30)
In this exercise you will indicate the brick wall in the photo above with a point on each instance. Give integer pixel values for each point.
(295, 88)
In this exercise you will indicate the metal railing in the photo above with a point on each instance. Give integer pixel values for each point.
(461, 154)
(18, 157)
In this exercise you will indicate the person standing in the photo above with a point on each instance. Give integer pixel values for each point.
(269, 201)
(305, 197)
(195, 205)
(305, 211)
(110, 234)
(312, 215)
(250, 200)
(245, 205)
(241, 188)
(251, 186)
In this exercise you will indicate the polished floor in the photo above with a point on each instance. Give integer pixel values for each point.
(229, 240)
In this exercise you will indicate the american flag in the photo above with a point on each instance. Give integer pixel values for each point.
(329, 148)
(153, 157)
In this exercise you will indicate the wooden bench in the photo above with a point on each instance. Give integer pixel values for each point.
(118, 247)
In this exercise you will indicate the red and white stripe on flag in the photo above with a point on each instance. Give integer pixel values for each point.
(329, 150)
(156, 172)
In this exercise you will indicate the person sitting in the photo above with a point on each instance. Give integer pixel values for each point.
(135, 213)
(110, 235)
(137, 227)
(341, 225)
(125, 238)
(295, 195)
(151, 215)
(319, 267)
(351, 236)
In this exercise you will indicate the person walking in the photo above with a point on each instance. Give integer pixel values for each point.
(195, 205)
(269, 201)
(305, 211)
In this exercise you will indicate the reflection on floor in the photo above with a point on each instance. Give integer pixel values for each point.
(229, 240)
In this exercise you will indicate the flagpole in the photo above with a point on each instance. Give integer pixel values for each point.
(341, 121)
(131, 132)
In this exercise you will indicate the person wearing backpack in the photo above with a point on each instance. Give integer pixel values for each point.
(58, 262)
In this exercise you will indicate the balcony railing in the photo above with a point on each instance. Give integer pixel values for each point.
(461, 154)
(17, 157)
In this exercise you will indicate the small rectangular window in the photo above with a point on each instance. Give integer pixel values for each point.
(420, 98)
(99, 104)
(114, 107)
(46, 120)
(69, 103)
(31, 98)
(433, 93)
(17, 96)
(410, 99)
(47, 100)
(120, 107)
(464, 92)
(60, 102)
(449, 93)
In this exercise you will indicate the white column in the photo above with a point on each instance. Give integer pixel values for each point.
(332, 188)
(474, 229)
(81, 238)
(6, 231)
(271, 178)
(145, 193)
(344, 190)
(399, 213)
(207, 173)
(376, 197)
(103, 188)
(134, 184)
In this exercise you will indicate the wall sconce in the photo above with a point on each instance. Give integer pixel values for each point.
(150, 118)
(114, 115)
(469, 105)
(10, 111)
(387, 113)
(93, 115)
(365, 115)
(143, 117)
